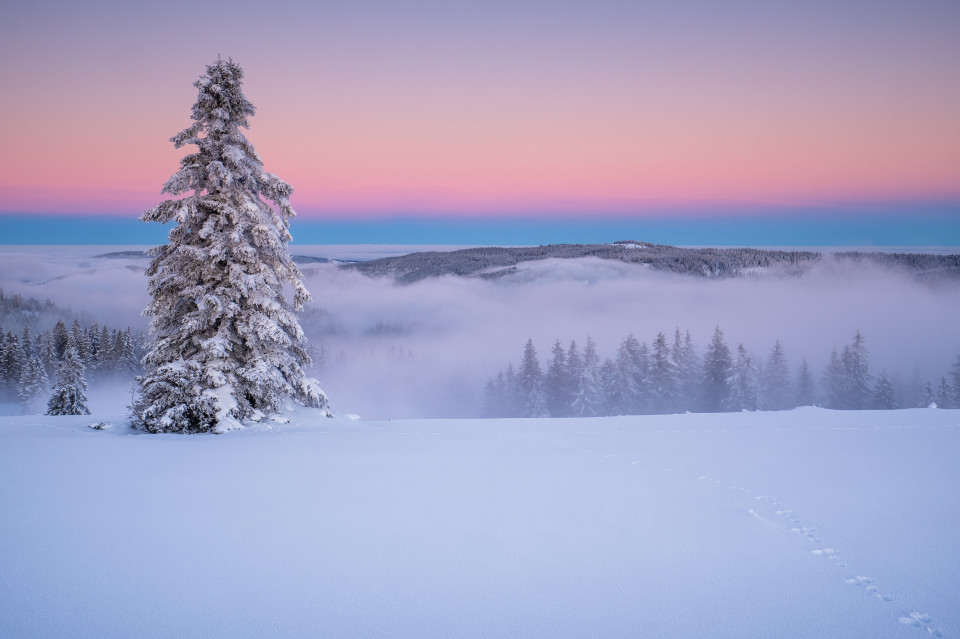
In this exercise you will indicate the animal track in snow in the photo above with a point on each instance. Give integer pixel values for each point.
(921, 620)
(867, 584)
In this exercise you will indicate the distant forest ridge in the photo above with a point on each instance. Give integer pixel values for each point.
(495, 262)
(718, 263)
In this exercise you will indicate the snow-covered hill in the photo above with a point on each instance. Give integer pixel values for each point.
(807, 523)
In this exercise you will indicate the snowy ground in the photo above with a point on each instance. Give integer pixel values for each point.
(808, 523)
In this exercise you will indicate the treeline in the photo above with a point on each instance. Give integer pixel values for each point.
(28, 361)
(668, 376)
(493, 262)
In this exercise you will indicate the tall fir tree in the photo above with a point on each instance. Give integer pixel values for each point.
(70, 394)
(227, 345)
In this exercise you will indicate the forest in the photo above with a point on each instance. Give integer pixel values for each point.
(668, 376)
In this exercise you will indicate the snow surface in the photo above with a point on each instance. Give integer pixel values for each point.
(805, 523)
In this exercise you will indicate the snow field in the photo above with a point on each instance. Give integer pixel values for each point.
(805, 523)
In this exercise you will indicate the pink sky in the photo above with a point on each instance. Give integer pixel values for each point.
(502, 108)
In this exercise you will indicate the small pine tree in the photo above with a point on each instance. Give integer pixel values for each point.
(69, 395)
(883, 397)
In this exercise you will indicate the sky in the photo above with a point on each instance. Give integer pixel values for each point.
(510, 122)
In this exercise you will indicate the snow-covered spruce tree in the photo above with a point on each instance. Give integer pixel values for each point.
(33, 383)
(227, 345)
(69, 395)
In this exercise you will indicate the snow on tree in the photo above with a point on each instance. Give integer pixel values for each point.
(574, 371)
(34, 382)
(834, 382)
(227, 345)
(610, 401)
(629, 378)
(530, 380)
(857, 375)
(929, 397)
(556, 389)
(69, 395)
(662, 377)
(955, 375)
(945, 394)
(60, 336)
(716, 371)
(11, 365)
(883, 397)
(589, 395)
(776, 380)
(688, 371)
(742, 381)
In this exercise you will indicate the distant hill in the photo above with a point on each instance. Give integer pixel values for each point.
(493, 262)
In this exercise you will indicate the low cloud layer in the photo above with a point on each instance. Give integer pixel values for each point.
(426, 349)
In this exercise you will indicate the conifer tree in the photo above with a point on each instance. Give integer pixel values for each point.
(662, 377)
(574, 371)
(776, 380)
(629, 377)
(227, 345)
(805, 390)
(834, 382)
(530, 380)
(945, 394)
(609, 389)
(11, 365)
(688, 372)
(857, 375)
(716, 371)
(883, 397)
(34, 382)
(929, 397)
(556, 388)
(70, 394)
(742, 382)
(60, 336)
(586, 401)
